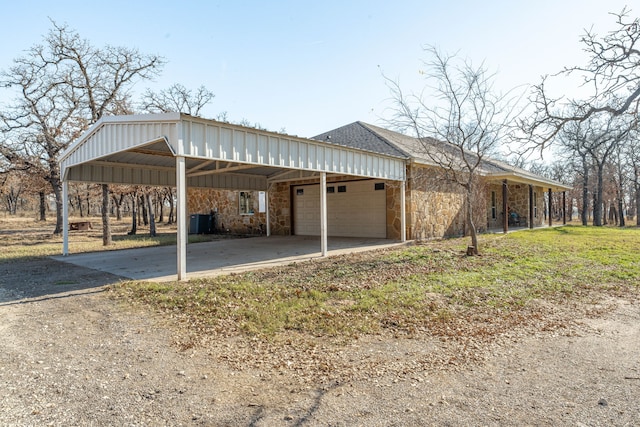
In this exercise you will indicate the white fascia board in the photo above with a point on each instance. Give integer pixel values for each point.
(523, 179)
(209, 139)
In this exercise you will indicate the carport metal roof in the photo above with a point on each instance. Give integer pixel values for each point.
(141, 149)
(180, 150)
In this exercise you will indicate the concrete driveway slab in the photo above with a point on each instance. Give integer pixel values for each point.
(219, 256)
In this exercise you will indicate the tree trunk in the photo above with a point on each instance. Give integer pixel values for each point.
(88, 199)
(597, 206)
(79, 202)
(570, 209)
(585, 192)
(160, 204)
(43, 206)
(152, 222)
(470, 223)
(621, 223)
(56, 185)
(613, 214)
(106, 224)
(637, 188)
(171, 219)
(134, 216)
(143, 206)
(117, 202)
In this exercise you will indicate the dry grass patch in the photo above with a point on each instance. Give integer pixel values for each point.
(26, 238)
(432, 288)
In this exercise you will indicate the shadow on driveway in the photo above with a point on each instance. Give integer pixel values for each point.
(33, 278)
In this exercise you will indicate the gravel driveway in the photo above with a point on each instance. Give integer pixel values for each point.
(71, 355)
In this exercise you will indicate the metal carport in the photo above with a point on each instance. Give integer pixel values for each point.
(180, 150)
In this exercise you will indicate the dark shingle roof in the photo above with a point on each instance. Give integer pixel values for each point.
(364, 137)
(372, 138)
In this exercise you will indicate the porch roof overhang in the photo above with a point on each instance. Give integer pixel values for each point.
(142, 150)
(520, 178)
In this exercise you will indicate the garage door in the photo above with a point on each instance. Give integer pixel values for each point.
(354, 209)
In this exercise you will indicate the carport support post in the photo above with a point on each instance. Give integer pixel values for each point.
(182, 217)
(65, 218)
(323, 213)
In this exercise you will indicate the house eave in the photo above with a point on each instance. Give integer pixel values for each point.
(523, 179)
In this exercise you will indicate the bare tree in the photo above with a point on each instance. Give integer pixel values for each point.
(612, 76)
(177, 98)
(62, 87)
(458, 120)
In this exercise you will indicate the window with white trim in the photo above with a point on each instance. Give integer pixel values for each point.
(245, 202)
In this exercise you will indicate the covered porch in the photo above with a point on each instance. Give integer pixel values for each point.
(519, 202)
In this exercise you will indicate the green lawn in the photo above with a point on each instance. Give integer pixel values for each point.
(431, 287)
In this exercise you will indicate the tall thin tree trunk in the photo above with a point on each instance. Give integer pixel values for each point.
(56, 185)
(470, 223)
(160, 204)
(637, 188)
(152, 222)
(134, 216)
(585, 193)
(79, 202)
(598, 205)
(106, 224)
(143, 206)
(171, 219)
(117, 202)
(43, 206)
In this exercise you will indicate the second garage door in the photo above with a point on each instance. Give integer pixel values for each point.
(354, 209)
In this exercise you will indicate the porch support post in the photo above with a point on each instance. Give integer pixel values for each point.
(550, 209)
(323, 213)
(266, 204)
(530, 206)
(181, 185)
(403, 212)
(65, 218)
(505, 207)
(564, 208)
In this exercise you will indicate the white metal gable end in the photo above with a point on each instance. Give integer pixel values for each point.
(180, 150)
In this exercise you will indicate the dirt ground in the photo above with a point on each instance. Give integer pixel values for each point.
(72, 356)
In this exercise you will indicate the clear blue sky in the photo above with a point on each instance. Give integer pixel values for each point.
(311, 66)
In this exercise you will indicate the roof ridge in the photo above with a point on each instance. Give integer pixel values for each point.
(369, 127)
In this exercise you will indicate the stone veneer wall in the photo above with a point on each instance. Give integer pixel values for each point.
(280, 208)
(435, 206)
(394, 220)
(226, 204)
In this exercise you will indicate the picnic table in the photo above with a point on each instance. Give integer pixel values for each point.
(80, 225)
